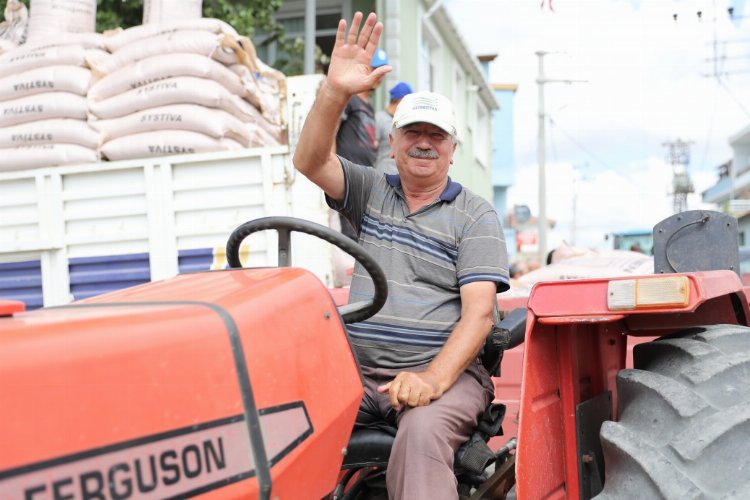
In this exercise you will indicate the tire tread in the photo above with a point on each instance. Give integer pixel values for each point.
(684, 418)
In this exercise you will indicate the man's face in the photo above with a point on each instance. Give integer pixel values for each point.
(422, 150)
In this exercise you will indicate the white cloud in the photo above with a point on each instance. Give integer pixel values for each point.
(645, 87)
(605, 200)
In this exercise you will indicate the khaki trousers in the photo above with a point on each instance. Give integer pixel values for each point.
(421, 463)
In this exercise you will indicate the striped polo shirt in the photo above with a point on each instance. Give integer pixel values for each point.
(426, 255)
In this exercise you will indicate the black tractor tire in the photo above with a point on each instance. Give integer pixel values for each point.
(683, 429)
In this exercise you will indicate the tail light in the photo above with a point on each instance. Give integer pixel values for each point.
(648, 293)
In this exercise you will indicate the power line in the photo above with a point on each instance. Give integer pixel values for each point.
(579, 145)
(734, 98)
(728, 58)
(732, 40)
(716, 60)
(709, 131)
(552, 143)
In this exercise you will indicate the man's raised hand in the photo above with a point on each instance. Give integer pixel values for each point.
(350, 71)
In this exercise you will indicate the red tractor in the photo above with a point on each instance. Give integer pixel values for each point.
(241, 383)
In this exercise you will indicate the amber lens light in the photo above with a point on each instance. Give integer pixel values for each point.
(648, 293)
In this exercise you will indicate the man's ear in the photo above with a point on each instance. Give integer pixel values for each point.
(390, 141)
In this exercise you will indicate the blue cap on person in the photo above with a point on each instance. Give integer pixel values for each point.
(379, 58)
(399, 90)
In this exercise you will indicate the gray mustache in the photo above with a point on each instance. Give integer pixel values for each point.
(423, 153)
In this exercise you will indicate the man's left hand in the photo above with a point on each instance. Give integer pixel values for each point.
(412, 389)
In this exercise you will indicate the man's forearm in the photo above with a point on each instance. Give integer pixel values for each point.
(466, 340)
(460, 350)
(318, 137)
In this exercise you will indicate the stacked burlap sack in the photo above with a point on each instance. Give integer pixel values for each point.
(13, 28)
(187, 86)
(43, 87)
(69, 95)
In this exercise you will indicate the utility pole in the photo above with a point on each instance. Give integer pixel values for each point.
(719, 75)
(540, 153)
(541, 156)
(310, 37)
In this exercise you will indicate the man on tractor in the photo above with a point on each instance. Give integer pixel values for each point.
(443, 252)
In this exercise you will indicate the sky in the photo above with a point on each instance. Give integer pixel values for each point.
(649, 79)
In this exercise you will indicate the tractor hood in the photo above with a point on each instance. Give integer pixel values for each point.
(235, 383)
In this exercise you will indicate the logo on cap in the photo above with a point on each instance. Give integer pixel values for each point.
(427, 107)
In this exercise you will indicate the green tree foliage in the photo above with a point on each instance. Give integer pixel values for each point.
(111, 14)
(254, 19)
(251, 18)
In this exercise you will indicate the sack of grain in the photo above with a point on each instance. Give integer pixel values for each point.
(266, 85)
(164, 143)
(161, 11)
(62, 131)
(17, 61)
(212, 122)
(160, 67)
(43, 106)
(13, 30)
(51, 17)
(178, 90)
(73, 79)
(193, 42)
(85, 40)
(45, 155)
(116, 41)
(6, 45)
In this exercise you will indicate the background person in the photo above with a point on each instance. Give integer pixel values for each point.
(443, 252)
(384, 119)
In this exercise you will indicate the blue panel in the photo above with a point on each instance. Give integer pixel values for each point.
(719, 192)
(195, 260)
(22, 281)
(90, 276)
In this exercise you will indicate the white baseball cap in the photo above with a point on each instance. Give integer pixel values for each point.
(427, 107)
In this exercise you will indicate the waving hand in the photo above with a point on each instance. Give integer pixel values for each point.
(350, 71)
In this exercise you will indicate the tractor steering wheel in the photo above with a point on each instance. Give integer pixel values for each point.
(350, 313)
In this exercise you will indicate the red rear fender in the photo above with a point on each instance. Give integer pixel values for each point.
(575, 346)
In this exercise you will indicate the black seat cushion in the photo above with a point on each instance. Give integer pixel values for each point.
(368, 448)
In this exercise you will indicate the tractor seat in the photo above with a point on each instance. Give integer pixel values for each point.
(369, 447)
(369, 450)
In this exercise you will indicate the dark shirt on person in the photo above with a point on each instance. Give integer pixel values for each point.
(356, 139)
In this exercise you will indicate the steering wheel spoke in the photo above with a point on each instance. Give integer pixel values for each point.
(285, 247)
(350, 313)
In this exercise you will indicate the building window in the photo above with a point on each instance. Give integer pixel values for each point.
(425, 68)
(459, 98)
(326, 25)
(471, 107)
(481, 135)
(429, 59)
